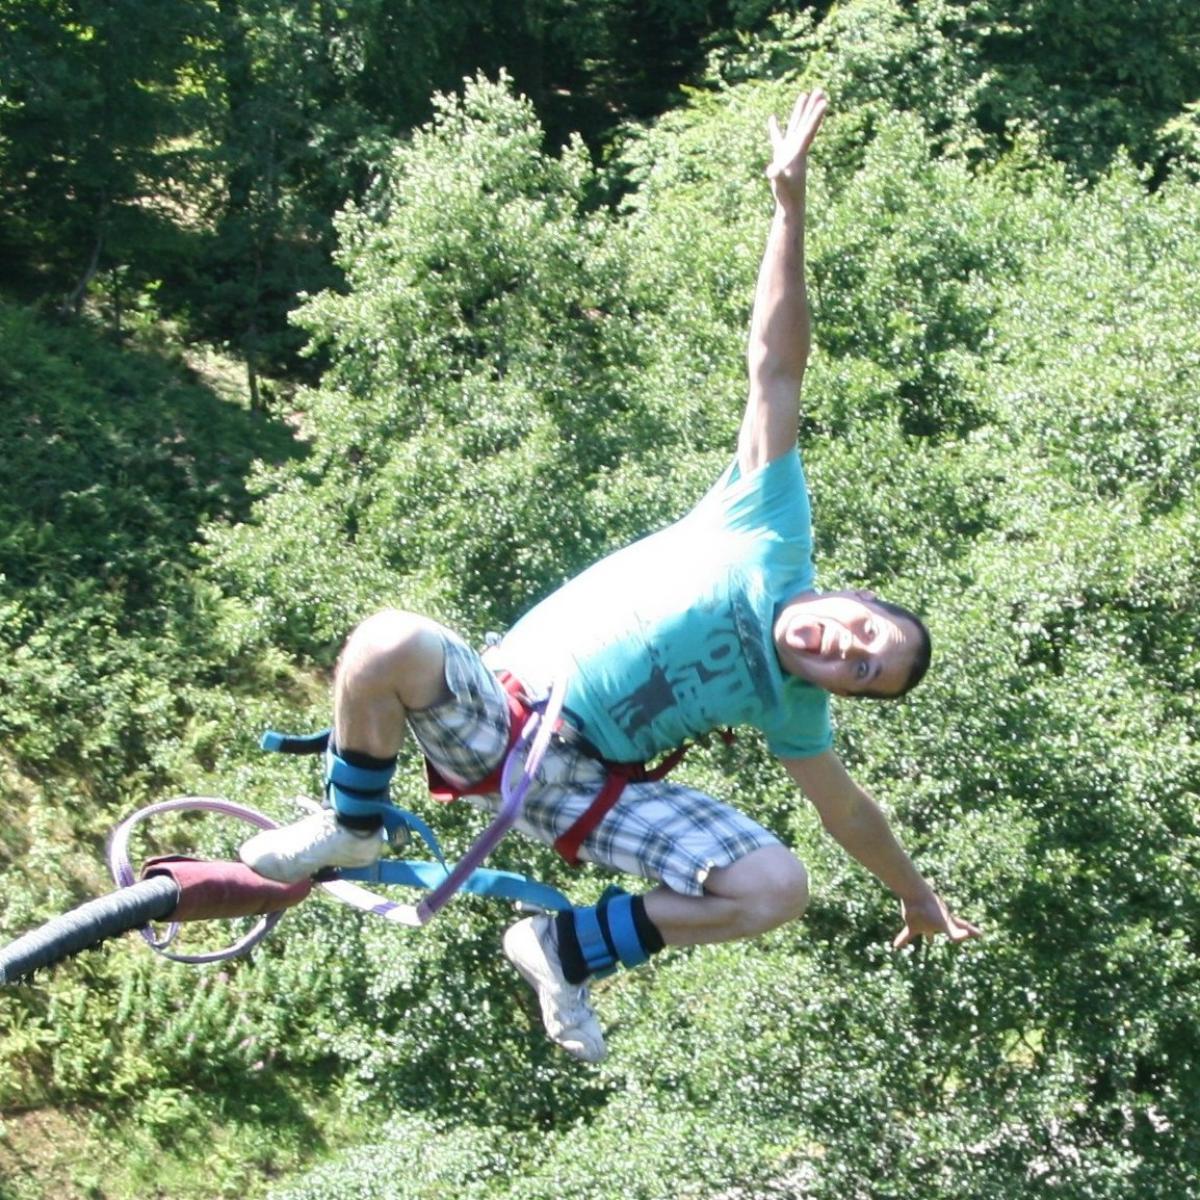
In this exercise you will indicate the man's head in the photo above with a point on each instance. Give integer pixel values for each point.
(852, 644)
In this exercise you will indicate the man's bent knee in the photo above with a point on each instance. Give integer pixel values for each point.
(783, 891)
(770, 886)
(397, 653)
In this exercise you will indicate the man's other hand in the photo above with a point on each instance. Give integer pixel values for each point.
(929, 916)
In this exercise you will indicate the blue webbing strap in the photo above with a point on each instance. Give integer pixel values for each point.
(354, 791)
(295, 743)
(502, 885)
(623, 931)
(418, 826)
(360, 786)
(596, 954)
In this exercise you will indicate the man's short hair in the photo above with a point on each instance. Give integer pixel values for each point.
(921, 655)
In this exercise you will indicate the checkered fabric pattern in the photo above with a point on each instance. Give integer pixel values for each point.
(661, 831)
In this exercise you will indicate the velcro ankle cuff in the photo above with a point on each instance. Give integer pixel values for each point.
(608, 934)
(356, 791)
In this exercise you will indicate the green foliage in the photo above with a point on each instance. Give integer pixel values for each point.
(1094, 78)
(111, 463)
(197, 152)
(89, 124)
(999, 429)
(1086, 81)
(485, 348)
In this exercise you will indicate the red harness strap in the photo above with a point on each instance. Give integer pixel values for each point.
(619, 774)
(518, 713)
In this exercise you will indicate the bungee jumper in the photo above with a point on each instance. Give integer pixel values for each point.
(712, 622)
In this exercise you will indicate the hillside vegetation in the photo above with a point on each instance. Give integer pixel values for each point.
(474, 352)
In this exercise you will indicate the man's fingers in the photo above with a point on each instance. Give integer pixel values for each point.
(805, 119)
(902, 939)
(798, 111)
(961, 930)
(814, 114)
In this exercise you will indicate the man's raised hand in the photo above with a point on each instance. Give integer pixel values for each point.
(789, 148)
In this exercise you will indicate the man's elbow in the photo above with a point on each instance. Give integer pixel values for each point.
(775, 370)
(850, 819)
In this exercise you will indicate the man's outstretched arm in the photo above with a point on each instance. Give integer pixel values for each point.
(780, 330)
(855, 821)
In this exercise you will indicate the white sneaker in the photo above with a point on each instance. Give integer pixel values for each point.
(298, 851)
(532, 947)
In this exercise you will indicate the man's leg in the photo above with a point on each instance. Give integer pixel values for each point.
(559, 955)
(756, 894)
(392, 663)
(765, 889)
(722, 876)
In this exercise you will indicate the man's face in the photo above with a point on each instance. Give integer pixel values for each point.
(846, 643)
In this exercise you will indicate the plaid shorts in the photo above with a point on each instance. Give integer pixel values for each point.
(662, 831)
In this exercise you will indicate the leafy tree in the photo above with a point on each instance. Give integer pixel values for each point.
(1093, 78)
(1083, 82)
(92, 114)
(483, 351)
(998, 430)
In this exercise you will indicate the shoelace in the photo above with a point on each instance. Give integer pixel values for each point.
(577, 1009)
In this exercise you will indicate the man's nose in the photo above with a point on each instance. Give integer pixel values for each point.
(853, 647)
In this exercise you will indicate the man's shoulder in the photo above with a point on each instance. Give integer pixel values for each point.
(773, 497)
(802, 725)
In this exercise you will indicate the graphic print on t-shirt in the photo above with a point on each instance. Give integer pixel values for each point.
(721, 679)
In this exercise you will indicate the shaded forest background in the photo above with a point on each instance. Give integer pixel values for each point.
(309, 307)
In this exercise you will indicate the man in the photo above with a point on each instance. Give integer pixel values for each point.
(709, 623)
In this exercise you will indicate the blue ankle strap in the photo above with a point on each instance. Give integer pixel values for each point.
(356, 791)
(353, 791)
(596, 954)
(617, 907)
(623, 930)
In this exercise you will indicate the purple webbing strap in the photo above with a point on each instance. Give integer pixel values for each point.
(123, 874)
(535, 738)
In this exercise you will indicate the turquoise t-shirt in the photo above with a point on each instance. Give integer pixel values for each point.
(671, 637)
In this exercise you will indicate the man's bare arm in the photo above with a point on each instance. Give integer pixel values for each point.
(780, 336)
(856, 822)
